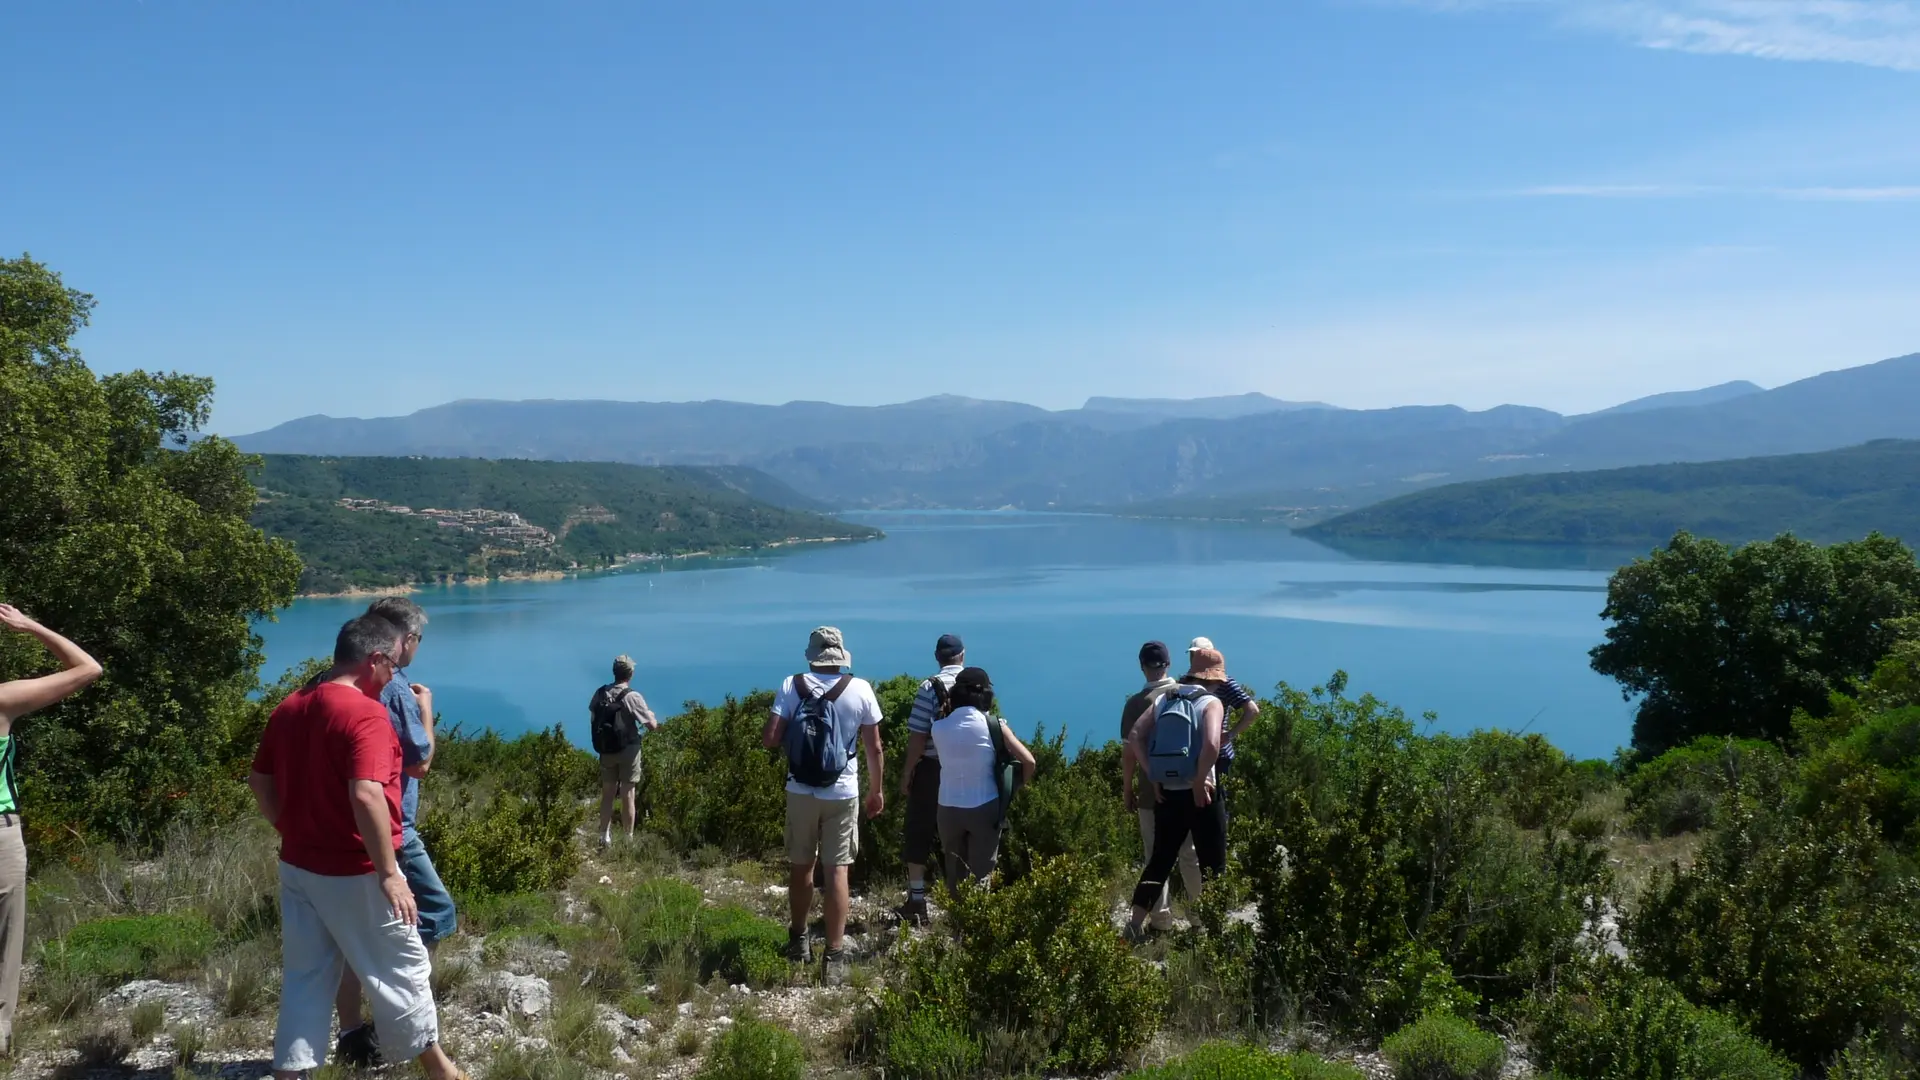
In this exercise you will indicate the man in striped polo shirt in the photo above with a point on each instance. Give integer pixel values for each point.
(920, 778)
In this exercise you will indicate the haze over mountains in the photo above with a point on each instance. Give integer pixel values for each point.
(958, 452)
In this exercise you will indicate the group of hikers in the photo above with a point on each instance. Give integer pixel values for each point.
(339, 765)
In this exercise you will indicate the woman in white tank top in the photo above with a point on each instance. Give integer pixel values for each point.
(970, 813)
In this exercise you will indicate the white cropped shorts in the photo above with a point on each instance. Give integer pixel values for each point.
(326, 924)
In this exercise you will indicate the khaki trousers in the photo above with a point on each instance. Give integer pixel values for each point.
(1189, 863)
(13, 923)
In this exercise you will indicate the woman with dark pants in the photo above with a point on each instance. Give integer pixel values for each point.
(970, 811)
(1182, 807)
(18, 697)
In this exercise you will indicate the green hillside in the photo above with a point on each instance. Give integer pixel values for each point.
(570, 515)
(1832, 495)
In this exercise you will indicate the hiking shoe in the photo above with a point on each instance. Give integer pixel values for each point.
(799, 947)
(914, 911)
(359, 1048)
(1135, 935)
(836, 973)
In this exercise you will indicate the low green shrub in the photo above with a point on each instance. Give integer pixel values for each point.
(752, 1049)
(128, 947)
(1609, 1023)
(1681, 790)
(1442, 1046)
(1073, 807)
(1238, 1061)
(926, 1044)
(522, 840)
(1035, 971)
(708, 781)
(742, 947)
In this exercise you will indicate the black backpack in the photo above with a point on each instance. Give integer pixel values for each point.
(612, 729)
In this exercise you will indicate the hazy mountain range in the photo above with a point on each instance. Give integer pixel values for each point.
(960, 452)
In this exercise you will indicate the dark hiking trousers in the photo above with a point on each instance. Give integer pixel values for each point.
(1174, 819)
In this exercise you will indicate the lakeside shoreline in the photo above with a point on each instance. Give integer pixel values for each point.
(408, 588)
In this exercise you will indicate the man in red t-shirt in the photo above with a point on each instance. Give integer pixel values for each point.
(327, 776)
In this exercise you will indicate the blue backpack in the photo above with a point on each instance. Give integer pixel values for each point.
(1173, 753)
(817, 752)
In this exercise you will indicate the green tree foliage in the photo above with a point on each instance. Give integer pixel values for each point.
(599, 512)
(133, 539)
(1681, 790)
(1720, 642)
(1805, 924)
(1388, 871)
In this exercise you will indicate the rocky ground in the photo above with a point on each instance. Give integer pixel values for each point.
(505, 1007)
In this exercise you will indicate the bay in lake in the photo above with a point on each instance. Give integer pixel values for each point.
(1054, 606)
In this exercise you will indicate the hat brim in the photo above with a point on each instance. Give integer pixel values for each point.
(1214, 672)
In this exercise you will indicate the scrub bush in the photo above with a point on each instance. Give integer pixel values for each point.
(1033, 969)
(522, 840)
(1073, 807)
(706, 780)
(1610, 1023)
(1442, 1046)
(1806, 927)
(1238, 1061)
(1390, 873)
(1681, 790)
(753, 1049)
(1533, 779)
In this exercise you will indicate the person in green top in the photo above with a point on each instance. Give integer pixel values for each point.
(18, 697)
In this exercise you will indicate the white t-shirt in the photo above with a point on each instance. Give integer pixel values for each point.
(857, 698)
(965, 739)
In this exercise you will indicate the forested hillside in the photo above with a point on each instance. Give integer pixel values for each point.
(375, 521)
(1835, 495)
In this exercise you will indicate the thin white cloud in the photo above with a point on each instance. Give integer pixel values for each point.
(1897, 193)
(1876, 33)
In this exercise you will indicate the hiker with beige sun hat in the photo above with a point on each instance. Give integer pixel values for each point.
(1207, 667)
(823, 717)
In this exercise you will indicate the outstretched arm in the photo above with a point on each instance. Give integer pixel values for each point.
(22, 696)
(1020, 753)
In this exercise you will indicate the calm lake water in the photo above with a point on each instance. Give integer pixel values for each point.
(1054, 606)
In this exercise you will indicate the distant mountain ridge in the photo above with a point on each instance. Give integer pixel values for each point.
(1207, 408)
(959, 452)
(1827, 496)
(1682, 399)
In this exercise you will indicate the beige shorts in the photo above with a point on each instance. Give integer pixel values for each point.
(621, 768)
(826, 828)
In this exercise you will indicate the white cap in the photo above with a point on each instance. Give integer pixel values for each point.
(1200, 643)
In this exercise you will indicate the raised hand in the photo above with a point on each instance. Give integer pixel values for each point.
(14, 619)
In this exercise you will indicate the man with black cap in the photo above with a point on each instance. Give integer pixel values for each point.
(1155, 660)
(920, 779)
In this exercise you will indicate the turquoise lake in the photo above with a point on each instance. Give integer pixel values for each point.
(1053, 606)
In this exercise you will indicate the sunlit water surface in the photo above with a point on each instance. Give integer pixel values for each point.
(1054, 606)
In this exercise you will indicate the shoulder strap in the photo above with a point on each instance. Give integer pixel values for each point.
(833, 695)
(803, 689)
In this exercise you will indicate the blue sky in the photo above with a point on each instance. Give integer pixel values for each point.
(363, 210)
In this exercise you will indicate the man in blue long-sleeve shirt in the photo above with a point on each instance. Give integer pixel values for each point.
(410, 709)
